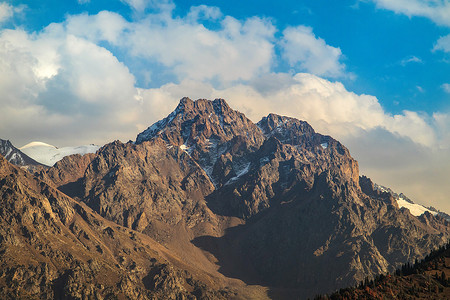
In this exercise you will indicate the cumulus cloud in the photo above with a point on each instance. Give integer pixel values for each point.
(204, 12)
(235, 52)
(6, 12)
(443, 44)
(436, 10)
(104, 26)
(184, 46)
(446, 87)
(301, 48)
(57, 86)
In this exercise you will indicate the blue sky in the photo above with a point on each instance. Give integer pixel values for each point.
(374, 74)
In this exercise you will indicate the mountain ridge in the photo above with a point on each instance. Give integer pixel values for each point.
(272, 204)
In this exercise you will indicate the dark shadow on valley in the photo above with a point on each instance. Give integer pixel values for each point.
(234, 260)
(73, 189)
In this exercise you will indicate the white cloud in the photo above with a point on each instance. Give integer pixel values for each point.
(442, 125)
(139, 5)
(61, 87)
(104, 26)
(183, 46)
(6, 12)
(436, 10)
(59, 82)
(204, 12)
(446, 87)
(236, 52)
(410, 59)
(301, 48)
(142, 5)
(443, 44)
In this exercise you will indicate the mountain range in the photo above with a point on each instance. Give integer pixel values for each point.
(206, 204)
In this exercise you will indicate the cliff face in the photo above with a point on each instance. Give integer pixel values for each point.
(272, 203)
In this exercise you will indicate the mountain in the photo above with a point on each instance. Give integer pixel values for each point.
(274, 205)
(15, 156)
(53, 247)
(48, 155)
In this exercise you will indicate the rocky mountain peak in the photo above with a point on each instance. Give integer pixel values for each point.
(273, 123)
(220, 106)
(204, 124)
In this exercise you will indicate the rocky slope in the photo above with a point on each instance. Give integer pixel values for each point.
(52, 247)
(17, 157)
(274, 203)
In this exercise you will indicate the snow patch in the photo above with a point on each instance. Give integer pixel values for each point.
(414, 209)
(239, 173)
(324, 145)
(156, 128)
(8, 153)
(264, 161)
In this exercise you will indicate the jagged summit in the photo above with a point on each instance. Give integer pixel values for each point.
(195, 122)
(275, 123)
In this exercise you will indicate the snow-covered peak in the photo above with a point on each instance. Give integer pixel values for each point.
(48, 154)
